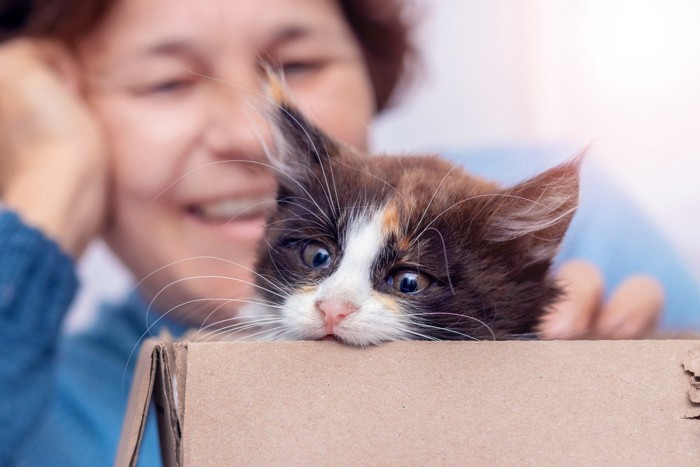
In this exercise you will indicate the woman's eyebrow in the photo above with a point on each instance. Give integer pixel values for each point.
(170, 47)
(289, 33)
(175, 48)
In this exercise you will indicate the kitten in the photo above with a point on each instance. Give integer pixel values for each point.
(368, 249)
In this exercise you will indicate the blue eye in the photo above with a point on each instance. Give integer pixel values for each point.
(409, 282)
(316, 255)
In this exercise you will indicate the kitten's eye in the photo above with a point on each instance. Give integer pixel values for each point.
(409, 282)
(316, 255)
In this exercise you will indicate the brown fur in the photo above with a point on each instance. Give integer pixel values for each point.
(486, 249)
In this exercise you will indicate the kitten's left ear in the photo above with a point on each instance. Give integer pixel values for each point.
(529, 220)
(298, 144)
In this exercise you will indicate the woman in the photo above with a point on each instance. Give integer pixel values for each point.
(125, 125)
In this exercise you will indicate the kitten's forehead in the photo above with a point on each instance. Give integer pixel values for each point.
(423, 188)
(364, 242)
(390, 218)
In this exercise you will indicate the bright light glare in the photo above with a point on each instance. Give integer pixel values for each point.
(640, 45)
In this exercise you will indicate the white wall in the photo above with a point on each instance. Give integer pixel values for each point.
(471, 91)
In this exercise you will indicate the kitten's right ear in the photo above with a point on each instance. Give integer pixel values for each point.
(298, 145)
(527, 222)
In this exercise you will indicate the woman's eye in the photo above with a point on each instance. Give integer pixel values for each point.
(299, 67)
(168, 86)
(409, 282)
(316, 255)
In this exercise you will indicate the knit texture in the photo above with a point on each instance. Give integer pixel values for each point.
(37, 285)
(63, 398)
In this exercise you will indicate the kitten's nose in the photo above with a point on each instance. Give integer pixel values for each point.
(334, 312)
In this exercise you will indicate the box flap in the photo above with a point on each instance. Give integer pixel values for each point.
(154, 381)
(137, 408)
(164, 396)
(414, 403)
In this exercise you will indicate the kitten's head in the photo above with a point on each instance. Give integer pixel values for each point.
(378, 248)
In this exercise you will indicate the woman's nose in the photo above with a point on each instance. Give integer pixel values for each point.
(236, 126)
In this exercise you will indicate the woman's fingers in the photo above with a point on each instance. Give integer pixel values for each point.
(39, 103)
(633, 310)
(572, 317)
(51, 144)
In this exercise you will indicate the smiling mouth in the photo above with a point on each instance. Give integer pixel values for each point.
(233, 210)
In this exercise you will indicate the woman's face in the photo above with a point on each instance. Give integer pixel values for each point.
(177, 85)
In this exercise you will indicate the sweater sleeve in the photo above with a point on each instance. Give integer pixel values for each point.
(37, 284)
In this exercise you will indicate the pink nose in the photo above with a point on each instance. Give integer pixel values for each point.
(334, 312)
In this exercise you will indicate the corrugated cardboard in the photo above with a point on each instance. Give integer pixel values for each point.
(418, 403)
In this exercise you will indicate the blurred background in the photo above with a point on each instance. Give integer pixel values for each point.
(622, 74)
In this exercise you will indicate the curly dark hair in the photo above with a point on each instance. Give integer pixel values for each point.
(381, 27)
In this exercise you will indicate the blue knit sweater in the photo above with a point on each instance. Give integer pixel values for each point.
(62, 398)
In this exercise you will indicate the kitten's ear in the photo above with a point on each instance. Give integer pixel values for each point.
(529, 220)
(298, 144)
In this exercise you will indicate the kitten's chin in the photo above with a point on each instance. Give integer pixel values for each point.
(339, 340)
(352, 341)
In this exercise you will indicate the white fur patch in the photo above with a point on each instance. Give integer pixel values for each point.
(351, 282)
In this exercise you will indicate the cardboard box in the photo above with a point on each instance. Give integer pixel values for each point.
(420, 403)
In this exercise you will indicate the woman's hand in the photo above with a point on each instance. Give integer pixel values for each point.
(632, 311)
(53, 165)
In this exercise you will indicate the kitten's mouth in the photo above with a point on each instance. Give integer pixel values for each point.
(233, 210)
(329, 337)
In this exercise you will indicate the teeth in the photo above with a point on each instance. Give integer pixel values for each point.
(234, 208)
